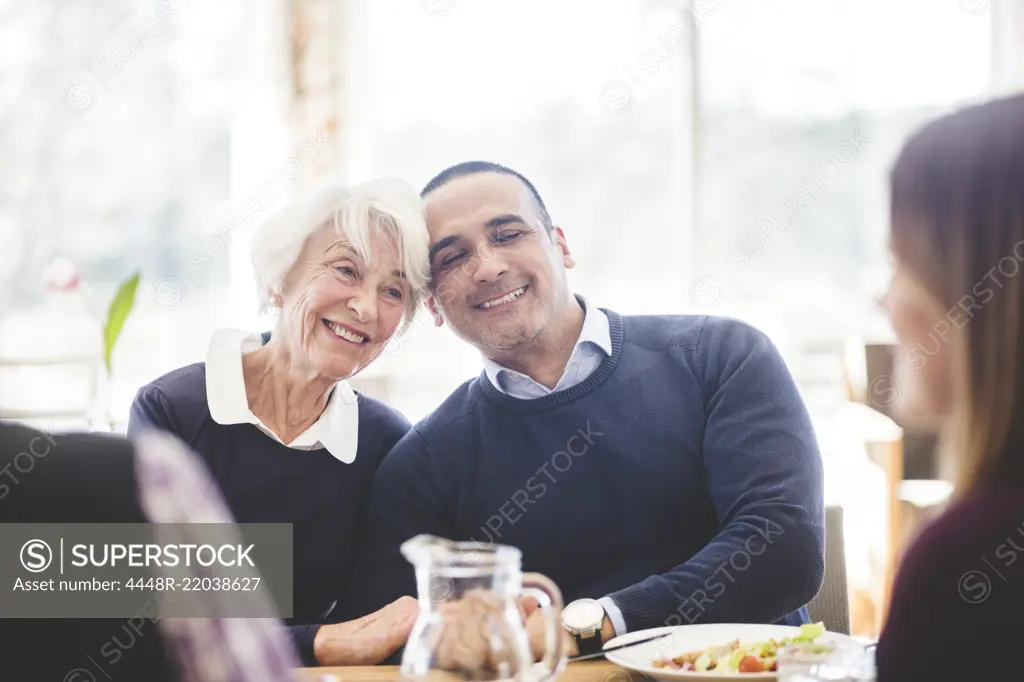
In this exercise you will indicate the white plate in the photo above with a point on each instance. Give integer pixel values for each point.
(686, 638)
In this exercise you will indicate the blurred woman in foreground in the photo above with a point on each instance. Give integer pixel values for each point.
(282, 433)
(957, 305)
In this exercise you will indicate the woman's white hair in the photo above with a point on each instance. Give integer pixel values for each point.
(386, 204)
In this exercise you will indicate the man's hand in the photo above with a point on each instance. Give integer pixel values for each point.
(536, 627)
(536, 630)
(368, 640)
(465, 643)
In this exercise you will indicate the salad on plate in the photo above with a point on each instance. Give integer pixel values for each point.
(747, 657)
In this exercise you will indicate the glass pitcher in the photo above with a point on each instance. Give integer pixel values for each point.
(470, 626)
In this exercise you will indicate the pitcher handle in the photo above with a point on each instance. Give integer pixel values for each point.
(547, 594)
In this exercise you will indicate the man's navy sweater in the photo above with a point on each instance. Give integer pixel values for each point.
(682, 478)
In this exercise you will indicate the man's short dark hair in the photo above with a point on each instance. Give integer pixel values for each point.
(474, 167)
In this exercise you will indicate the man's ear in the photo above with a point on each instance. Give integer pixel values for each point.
(434, 312)
(558, 237)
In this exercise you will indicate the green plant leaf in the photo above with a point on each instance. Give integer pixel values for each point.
(120, 308)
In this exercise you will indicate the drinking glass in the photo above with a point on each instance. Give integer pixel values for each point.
(844, 661)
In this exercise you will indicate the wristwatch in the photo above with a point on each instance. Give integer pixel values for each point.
(582, 619)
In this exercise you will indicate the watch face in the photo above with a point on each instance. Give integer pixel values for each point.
(582, 614)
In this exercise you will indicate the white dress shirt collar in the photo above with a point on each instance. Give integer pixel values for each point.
(337, 429)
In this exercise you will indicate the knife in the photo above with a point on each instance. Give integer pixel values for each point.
(601, 653)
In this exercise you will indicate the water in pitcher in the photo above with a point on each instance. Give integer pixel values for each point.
(470, 625)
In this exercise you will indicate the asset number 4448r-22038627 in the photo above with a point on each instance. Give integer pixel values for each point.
(193, 584)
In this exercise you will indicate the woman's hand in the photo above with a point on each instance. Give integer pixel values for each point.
(367, 640)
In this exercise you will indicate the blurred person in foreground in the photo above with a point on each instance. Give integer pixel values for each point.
(101, 478)
(282, 433)
(660, 469)
(957, 305)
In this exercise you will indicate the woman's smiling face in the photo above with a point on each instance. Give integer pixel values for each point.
(339, 310)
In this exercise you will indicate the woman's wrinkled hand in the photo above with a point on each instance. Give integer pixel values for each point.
(367, 640)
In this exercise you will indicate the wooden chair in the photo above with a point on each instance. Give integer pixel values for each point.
(831, 605)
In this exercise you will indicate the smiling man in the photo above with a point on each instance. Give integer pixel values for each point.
(661, 469)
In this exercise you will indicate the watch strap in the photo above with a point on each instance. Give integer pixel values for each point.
(589, 644)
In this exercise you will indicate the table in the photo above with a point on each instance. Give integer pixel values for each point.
(584, 671)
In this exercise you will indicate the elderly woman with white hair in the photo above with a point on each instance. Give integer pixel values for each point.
(283, 434)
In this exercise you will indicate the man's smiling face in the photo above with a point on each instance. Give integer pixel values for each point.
(498, 275)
